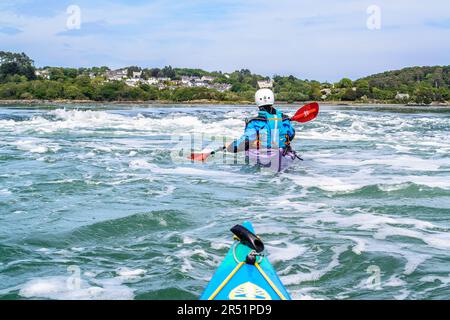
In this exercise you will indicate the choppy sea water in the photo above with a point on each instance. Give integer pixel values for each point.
(93, 207)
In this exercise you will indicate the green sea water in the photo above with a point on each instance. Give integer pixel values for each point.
(93, 206)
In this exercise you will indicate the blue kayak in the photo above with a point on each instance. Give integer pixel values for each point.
(245, 273)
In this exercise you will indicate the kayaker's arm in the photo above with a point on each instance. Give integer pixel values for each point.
(249, 138)
(239, 145)
(236, 146)
(289, 129)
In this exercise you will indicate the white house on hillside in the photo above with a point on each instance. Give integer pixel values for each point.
(402, 96)
(151, 81)
(207, 79)
(117, 75)
(187, 81)
(325, 93)
(265, 84)
(137, 75)
(132, 82)
(43, 73)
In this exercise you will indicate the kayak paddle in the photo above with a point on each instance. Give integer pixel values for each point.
(203, 156)
(305, 114)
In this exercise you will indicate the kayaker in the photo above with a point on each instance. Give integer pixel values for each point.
(271, 129)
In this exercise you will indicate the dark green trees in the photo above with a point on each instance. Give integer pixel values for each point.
(15, 64)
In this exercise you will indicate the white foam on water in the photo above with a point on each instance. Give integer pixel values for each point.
(305, 294)
(106, 149)
(272, 229)
(406, 251)
(219, 244)
(197, 172)
(60, 288)
(5, 192)
(414, 262)
(325, 183)
(439, 240)
(166, 192)
(35, 145)
(162, 222)
(186, 257)
(223, 176)
(188, 240)
(288, 252)
(383, 227)
(398, 147)
(315, 275)
(368, 221)
(442, 182)
(394, 187)
(85, 121)
(360, 246)
(335, 135)
(141, 164)
(127, 274)
(91, 274)
(393, 281)
(386, 226)
(409, 163)
(433, 278)
(95, 120)
(292, 202)
(401, 162)
(366, 177)
(323, 154)
(44, 250)
(404, 293)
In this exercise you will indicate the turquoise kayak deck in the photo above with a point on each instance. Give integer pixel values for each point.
(240, 281)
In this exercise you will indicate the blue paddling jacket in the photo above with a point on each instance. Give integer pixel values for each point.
(264, 129)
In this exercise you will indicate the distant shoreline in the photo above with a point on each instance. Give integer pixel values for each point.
(213, 102)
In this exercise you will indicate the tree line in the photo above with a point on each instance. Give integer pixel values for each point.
(18, 80)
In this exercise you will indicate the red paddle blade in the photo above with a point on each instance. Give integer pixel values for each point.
(307, 113)
(199, 156)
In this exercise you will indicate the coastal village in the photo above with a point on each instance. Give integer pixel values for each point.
(137, 78)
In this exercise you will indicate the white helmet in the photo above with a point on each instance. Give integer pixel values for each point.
(264, 97)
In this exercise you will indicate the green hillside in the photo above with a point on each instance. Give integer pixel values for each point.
(421, 83)
(19, 79)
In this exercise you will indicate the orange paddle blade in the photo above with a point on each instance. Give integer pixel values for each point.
(199, 156)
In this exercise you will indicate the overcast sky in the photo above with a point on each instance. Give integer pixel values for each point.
(311, 39)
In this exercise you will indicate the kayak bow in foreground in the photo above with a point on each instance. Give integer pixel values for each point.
(245, 273)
